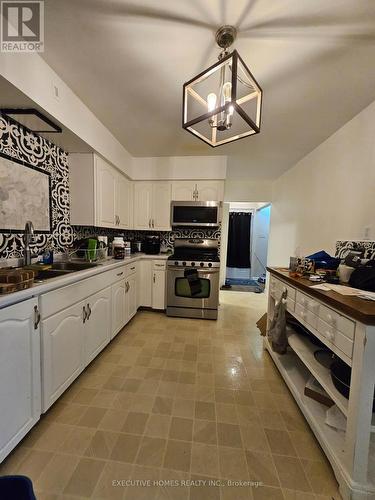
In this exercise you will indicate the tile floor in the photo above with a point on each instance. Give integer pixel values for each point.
(178, 400)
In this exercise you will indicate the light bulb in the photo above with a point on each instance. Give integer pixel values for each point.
(227, 91)
(211, 101)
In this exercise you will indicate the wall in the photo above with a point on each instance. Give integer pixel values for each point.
(180, 167)
(260, 235)
(328, 195)
(16, 142)
(247, 190)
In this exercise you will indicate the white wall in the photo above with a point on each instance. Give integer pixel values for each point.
(328, 195)
(260, 236)
(180, 167)
(247, 190)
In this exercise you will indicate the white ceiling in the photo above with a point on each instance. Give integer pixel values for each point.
(127, 60)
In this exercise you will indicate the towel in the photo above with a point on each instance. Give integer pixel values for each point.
(277, 332)
(194, 282)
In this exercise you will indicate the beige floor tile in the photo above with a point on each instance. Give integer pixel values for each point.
(84, 478)
(69, 414)
(271, 419)
(205, 431)
(226, 413)
(131, 385)
(163, 405)
(53, 437)
(92, 417)
(10, 464)
(247, 415)
(56, 474)
(233, 463)
(34, 463)
(306, 445)
(185, 391)
(171, 490)
(254, 438)
(181, 428)
(205, 410)
(299, 495)
(85, 396)
(101, 444)
(183, 408)
(261, 468)
(167, 389)
(202, 490)
(291, 473)
(177, 455)
(135, 422)
(229, 435)
(267, 493)
(142, 491)
(237, 490)
(294, 421)
(320, 476)
(104, 399)
(114, 383)
(124, 401)
(107, 488)
(205, 460)
(158, 426)
(126, 448)
(77, 441)
(280, 442)
(113, 420)
(243, 397)
(264, 400)
(151, 451)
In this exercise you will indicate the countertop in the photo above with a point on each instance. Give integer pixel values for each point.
(68, 279)
(359, 309)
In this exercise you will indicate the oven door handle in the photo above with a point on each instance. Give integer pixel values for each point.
(200, 271)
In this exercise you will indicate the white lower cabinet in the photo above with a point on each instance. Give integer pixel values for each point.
(19, 373)
(118, 307)
(131, 297)
(158, 284)
(152, 283)
(144, 283)
(62, 351)
(97, 328)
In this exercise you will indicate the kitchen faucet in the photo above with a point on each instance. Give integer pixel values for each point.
(27, 238)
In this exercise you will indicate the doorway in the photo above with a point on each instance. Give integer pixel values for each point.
(245, 231)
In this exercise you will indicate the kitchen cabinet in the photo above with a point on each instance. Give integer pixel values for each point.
(144, 283)
(62, 351)
(20, 389)
(131, 297)
(97, 330)
(99, 194)
(118, 307)
(158, 285)
(198, 190)
(152, 205)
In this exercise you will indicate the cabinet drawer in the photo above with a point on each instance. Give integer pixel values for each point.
(308, 303)
(334, 319)
(117, 274)
(305, 315)
(336, 337)
(159, 265)
(130, 269)
(277, 287)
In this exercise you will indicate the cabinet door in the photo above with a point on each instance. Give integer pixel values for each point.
(62, 351)
(124, 203)
(131, 297)
(97, 331)
(105, 188)
(144, 290)
(210, 190)
(158, 289)
(161, 206)
(118, 307)
(19, 374)
(142, 205)
(183, 190)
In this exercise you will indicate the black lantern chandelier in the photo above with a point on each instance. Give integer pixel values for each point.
(223, 103)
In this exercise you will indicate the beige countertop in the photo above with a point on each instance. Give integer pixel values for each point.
(52, 284)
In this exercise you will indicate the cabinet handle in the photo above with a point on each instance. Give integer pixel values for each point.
(89, 313)
(153, 223)
(149, 222)
(36, 317)
(120, 274)
(154, 278)
(132, 269)
(159, 265)
(84, 314)
(127, 286)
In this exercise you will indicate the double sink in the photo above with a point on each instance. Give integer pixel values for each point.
(62, 268)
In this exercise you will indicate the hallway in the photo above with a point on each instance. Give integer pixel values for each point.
(178, 400)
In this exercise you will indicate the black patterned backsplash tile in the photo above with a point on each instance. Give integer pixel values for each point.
(343, 247)
(17, 142)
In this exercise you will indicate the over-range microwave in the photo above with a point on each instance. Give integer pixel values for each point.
(195, 213)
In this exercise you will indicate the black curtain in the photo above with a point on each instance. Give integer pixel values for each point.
(239, 240)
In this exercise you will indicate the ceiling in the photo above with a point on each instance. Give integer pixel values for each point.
(127, 61)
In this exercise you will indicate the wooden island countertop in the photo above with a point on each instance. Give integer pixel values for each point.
(359, 309)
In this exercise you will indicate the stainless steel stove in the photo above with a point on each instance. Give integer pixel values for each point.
(193, 279)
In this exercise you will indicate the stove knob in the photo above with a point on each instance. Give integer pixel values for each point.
(201, 264)
(184, 263)
(176, 263)
(192, 264)
(210, 264)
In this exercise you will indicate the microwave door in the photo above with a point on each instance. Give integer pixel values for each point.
(188, 215)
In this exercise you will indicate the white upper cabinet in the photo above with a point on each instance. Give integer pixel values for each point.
(99, 194)
(124, 203)
(105, 182)
(198, 190)
(152, 205)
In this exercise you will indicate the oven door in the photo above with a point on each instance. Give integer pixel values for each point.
(179, 293)
(195, 213)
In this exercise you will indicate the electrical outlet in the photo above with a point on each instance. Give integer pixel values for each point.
(367, 232)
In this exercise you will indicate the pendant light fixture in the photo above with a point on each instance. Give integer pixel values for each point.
(223, 103)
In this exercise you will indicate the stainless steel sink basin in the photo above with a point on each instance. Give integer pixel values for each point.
(50, 273)
(73, 266)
